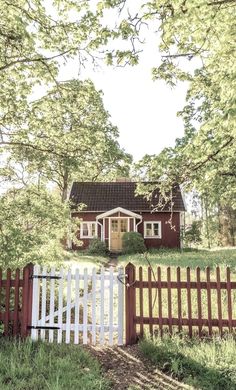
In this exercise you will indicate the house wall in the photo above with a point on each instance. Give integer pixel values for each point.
(170, 235)
(85, 217)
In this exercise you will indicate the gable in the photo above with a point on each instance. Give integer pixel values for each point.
(102, 196)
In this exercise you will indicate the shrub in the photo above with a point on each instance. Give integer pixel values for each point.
(97, 247)
(133, 242)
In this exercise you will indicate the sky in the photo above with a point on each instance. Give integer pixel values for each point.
(143, 110)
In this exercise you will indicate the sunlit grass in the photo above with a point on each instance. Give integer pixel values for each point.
(203, 364)
(185, 258)
(39, 366)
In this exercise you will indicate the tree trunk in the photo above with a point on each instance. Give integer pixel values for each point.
(64, 193)
(227, 222)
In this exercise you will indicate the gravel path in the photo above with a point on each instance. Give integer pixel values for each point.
(125, 369)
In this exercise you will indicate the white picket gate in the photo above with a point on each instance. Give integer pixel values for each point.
(79, 306)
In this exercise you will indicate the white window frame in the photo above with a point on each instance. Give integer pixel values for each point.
(89, 223)
(152, 223)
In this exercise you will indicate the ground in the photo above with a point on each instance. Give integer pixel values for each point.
(127, 369)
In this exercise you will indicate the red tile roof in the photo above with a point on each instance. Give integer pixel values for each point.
(102, 196)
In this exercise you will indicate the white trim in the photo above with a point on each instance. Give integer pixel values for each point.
(104, 229)
(101, 228)
(152, 223)
(89, 223)
(118, 210)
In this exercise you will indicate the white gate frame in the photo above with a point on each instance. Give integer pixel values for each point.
(94, 302)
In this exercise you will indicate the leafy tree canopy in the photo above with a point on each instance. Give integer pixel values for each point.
(32, 223)
(197, 43)
(67, 135)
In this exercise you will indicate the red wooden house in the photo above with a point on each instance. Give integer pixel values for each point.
(113, 208)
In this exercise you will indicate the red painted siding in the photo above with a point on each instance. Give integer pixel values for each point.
(170, 234)
(170, 237)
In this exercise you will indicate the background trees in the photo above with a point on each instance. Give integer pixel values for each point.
(67, 135)
(64, 135)
(197, 43)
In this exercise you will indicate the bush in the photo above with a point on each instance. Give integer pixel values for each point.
(97, 247)
(133, 242)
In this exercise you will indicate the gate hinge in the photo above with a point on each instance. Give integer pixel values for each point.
(45, 277)
(43, 327)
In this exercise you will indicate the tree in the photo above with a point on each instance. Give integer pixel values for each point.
(32, 224)
(67, 135)
(200, 37)
(36, 39)
(193, 233)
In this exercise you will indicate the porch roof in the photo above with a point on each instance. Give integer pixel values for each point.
(117, 210)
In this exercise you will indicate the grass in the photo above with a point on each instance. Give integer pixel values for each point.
(40, 366)
(202, 364)
(80, 259)
(185, 258)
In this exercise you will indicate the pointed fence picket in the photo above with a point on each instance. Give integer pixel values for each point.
(79, 306)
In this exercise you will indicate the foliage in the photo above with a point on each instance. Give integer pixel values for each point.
(35, 41)
(29, 365)
(97, 247)
(193, 233)
(133, 242)
(203, 364)
(32, 223)
(68, 135)
(196, 40)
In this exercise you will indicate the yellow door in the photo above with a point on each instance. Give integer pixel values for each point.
(118, 228)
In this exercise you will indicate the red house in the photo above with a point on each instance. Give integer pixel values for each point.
(113, 208)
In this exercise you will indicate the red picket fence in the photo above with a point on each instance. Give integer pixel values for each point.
(16, 300)
(193, 303)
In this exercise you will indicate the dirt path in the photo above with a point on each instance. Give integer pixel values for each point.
(125, 369)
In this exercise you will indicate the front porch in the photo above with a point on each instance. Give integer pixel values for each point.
(114, 223)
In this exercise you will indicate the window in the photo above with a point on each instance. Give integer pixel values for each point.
(88, 229)
(152, 229)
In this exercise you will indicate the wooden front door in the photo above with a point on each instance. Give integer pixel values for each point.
(117, 228)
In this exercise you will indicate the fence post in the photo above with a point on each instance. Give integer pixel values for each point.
(27, 293)
(130, 305)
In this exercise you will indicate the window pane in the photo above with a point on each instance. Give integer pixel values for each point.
(85, 229)
(149, 229)
(123, 225)
(156, 229)
(93, 229)
(114, 226)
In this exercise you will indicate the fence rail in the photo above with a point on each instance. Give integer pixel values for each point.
(192, 302)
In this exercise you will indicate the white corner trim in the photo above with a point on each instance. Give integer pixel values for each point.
(121, 210)
(152, 223)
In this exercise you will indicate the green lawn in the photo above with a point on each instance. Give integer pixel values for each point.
(80, 259)
(41, 366)
(185, 258)
(205, 365)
